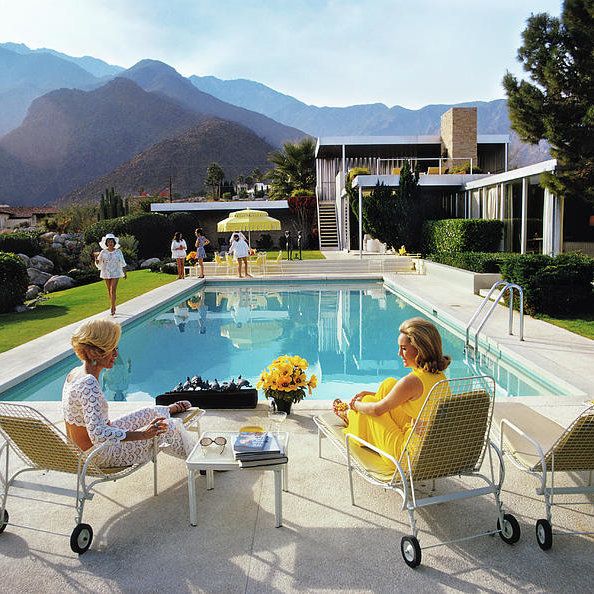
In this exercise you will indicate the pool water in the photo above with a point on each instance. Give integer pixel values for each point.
(347, 332)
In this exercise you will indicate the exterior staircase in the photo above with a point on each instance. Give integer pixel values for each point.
(328, 225)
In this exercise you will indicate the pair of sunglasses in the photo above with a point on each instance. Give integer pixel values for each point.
(220, 441)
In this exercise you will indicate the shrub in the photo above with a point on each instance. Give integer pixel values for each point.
(14, 281)
(168, 266)
(186, 223)
(552, 286)
(62, 260)
(85, 276)
(265, 242)
(20, 242)
(461, 235)
(152, 230)
(475, 261)
(129, 247)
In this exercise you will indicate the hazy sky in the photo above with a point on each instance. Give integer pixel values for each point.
(324, 52)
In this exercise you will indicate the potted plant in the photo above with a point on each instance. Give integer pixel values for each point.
(285, 381)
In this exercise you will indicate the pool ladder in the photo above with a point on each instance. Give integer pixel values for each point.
(503, 286)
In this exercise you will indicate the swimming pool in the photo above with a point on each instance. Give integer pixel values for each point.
(347, 332)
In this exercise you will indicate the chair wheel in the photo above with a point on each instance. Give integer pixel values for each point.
(81, 538)
(510, 531)
(411, 551)
(544, 534)
(4, 522)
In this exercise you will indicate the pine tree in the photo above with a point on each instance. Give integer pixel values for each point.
(558, 105)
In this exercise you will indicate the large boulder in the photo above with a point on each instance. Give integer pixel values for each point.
(71, 245)
(41, 263)
(24, 259)
(32, 292)
(148, 263)
(38, 277)
(58, 283)
(49, 236)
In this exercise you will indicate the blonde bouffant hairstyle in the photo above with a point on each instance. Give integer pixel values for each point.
(94, 339)
(424, 336)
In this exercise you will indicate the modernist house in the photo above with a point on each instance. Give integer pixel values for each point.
(463, 174)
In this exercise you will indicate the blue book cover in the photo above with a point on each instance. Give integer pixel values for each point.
(250, 442)
(269, 449)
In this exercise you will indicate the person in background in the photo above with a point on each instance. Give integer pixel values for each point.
(110, 261)
(86, 411)
(241, 249)
(178, 253)
(385, 418)
(201, 243)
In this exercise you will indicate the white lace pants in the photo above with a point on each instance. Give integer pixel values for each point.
(175, 441)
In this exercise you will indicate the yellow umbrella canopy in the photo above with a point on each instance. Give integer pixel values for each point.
(251, 334)
(248, 220)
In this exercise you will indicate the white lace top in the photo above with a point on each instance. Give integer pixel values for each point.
(111, 264)
(84, 405)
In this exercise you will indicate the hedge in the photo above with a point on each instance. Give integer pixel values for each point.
(474, 261)
(461, 235)
(14, 281)
(20, 242)
(554, 286)
(153, 231)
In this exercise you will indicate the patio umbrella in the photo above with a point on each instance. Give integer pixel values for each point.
(248, 220)
(251, 334)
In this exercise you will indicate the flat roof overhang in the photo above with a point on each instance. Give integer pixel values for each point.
(514, 174)
(219, 205)
(328, 147)
(450, 181)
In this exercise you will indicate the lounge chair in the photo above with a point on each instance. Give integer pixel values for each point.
(231, 263)
(42, 447)
(396, 170)
(275, 265)
(544, 448)
(450, 439)
(220, 264)
(434, 171)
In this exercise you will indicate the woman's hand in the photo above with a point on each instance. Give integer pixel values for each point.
(356, 398)
(154, 428)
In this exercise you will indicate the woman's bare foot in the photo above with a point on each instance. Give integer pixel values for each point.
(179, 407)
(340, 409)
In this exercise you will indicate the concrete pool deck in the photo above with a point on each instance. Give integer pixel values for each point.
(145, 544)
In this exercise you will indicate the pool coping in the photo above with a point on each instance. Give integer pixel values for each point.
(24, 361)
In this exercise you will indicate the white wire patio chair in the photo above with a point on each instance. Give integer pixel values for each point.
(450, 438)
(43, 447)
(543, 448)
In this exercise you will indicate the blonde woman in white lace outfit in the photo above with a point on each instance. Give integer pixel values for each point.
(86, 410)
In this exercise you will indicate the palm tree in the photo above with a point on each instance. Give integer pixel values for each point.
(294, 168)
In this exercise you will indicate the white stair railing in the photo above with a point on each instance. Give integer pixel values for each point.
(504, 287)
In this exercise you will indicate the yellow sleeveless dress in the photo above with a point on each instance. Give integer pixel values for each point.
(390, 431)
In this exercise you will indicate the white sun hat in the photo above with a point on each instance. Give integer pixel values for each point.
(104, 239)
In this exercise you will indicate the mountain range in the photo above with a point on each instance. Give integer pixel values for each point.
(71, 125)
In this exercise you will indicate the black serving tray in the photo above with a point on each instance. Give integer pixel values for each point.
(247, 398)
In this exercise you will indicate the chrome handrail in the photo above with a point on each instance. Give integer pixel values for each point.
(506, 287)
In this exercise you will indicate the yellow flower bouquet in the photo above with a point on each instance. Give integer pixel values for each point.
(191, 258)
(285, 379)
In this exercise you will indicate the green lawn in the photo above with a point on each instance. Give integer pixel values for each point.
(65, 307)
(583, 325)
(307, 254)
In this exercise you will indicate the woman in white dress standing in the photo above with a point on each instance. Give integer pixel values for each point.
(239, 246)
(178, 253)
(111, 263)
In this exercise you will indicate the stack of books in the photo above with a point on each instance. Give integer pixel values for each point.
(258, 449)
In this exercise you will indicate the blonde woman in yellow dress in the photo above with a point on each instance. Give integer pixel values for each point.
(385, 418)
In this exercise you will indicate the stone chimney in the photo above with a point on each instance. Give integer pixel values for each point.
(458, 135)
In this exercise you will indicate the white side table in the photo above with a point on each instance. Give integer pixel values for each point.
(215, 457)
